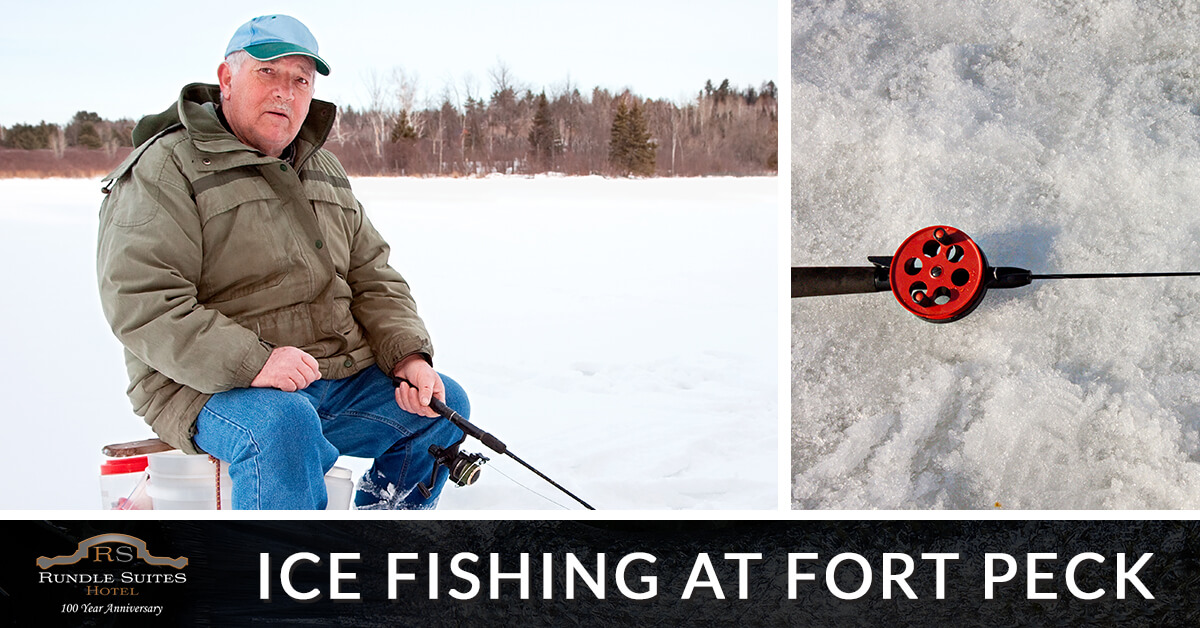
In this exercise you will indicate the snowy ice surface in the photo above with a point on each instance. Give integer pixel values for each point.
(1063, 137)
(620, 335)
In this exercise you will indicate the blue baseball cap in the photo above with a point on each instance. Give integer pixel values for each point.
(272, 36)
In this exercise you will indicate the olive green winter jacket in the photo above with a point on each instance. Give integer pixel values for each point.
(211, 253)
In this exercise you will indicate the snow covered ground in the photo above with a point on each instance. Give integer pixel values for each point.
(1062, 136)
(620, 335)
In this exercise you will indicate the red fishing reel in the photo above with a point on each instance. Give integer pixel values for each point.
(939, 274)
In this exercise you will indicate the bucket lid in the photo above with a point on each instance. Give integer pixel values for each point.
(340, 473)
(114, 466)
(178, 463)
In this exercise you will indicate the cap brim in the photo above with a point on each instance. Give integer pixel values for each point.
(275, 50)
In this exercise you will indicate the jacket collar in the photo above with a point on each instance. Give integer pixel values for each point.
(196, 110)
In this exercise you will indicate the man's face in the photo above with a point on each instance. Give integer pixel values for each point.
(266, 101)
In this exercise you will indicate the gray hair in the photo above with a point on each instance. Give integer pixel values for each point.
(236, 59)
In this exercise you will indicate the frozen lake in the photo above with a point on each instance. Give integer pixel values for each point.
(620, 335)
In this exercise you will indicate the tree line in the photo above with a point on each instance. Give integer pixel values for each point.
(723, 130)
(86, 130)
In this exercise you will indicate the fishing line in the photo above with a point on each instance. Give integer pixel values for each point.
(514, 481)
(1111, 275)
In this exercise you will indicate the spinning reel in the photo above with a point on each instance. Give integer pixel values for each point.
(464, 467)
(939, 274)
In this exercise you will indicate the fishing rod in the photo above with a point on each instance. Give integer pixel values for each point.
(464, 467)
(938, 274)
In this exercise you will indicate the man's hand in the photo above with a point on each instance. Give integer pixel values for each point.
(289, 369)
(426, 384)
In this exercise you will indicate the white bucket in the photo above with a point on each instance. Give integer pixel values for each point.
(189, 482)
(340, 488)
(122, 483)
(186, 482)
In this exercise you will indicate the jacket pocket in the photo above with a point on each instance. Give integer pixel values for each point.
(245, 233)
(337, 212)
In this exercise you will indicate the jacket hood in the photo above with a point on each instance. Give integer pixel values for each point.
(196, 109)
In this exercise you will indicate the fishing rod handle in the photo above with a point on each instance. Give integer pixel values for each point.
(438, 406)
(819, 281)
(461, 423)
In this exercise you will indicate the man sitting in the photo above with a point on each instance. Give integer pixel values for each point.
(253, 295)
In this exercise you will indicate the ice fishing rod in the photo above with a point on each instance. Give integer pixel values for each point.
(939, 274)
(463, 466)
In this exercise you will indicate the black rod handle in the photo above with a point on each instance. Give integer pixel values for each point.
(467, 427)
(820, 281)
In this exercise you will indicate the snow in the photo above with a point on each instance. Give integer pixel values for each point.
(619, 335)
(1063, 137)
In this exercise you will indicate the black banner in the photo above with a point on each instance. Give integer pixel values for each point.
(433, 573)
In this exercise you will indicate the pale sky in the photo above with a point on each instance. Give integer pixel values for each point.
(130, 58)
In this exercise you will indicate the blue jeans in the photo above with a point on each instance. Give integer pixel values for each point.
(279, 445)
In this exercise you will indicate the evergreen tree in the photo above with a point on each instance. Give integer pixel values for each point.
(769, 90)
(631, 150)
(723, 91)
(644, 148)
(74, 129)
(404, 138)
(403, 129)
(543, 137)
(618, 149)
(86, 116)
(29, 137)
(474, 116)
(89, 137)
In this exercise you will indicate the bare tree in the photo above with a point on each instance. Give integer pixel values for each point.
(502, 77)
(111, 144)
(336, 133)
(58, 141)
(379, 112)
(404, 89)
